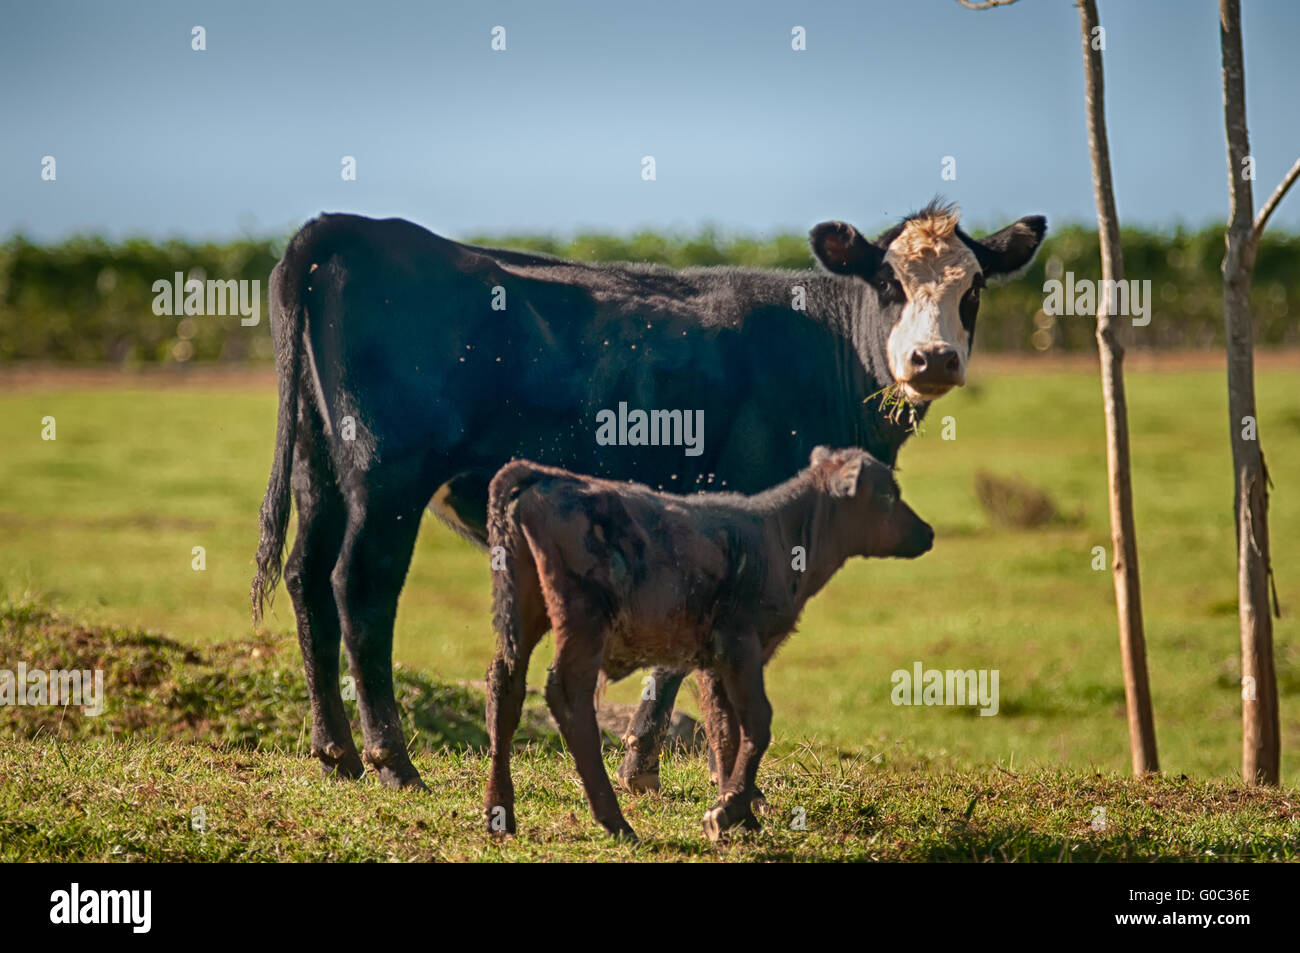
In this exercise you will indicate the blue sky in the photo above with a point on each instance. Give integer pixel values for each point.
(247, 137)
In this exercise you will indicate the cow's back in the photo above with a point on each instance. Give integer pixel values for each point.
(476, 356)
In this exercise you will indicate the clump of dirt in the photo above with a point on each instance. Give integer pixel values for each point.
(249, 694)
(1016, 503)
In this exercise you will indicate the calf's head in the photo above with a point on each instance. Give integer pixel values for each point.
(926, 274)
(870, 515)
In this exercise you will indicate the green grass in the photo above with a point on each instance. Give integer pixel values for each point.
(102, 521)
(217, 734)
(100, 800)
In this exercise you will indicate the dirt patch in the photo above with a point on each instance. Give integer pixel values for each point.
(249, 694)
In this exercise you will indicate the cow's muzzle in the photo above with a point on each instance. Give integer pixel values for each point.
(932, 372)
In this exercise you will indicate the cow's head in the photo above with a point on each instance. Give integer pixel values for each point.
(927, 274)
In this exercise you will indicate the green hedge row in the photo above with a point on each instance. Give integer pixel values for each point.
(90, 300)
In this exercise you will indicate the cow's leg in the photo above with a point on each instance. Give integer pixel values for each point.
(570, 691)
(639, 771)
(321, 521)
(506, 688)
(742, 677)
(368, 577)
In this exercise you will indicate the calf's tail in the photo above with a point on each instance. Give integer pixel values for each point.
(509, 551)
(288, 321)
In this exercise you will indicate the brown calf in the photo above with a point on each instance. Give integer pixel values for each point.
(629, 577)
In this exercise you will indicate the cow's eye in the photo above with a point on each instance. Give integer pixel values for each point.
(977, 283)
(890, 288)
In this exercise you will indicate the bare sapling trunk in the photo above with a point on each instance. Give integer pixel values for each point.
(1260, 741)
(1124, 565)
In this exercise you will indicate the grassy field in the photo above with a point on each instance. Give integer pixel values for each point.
(139, 801)
(102, 521)
(200, 754)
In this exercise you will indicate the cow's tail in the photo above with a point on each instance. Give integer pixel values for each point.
(509, 552)
(288, 322)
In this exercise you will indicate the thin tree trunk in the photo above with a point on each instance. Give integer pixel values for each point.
(1260, 748)
(1128, 591)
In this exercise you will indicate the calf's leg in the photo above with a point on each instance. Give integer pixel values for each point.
(639, 771)
(505, 702)
(723, 731)
(720, 725)
(742, 677)
(570, 690)
(507, 685)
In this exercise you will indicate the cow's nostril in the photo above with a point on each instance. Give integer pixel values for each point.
(918, 360)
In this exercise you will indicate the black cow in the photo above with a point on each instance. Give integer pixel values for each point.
(412, 367)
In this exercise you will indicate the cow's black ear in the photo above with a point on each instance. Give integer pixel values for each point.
(1009, 251)
(842, 250)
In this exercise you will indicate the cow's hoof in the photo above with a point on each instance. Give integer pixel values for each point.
(343, 771)
(338, 763)
(393, 768)
(398, 780)
(638, 773)
(646, 782)
(760, 806)
(625, 835)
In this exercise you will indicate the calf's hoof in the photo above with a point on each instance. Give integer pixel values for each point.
(624, 834)
(725, 815)
(499, 819)
(758, 804)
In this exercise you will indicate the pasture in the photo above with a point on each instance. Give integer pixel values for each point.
(101, 524)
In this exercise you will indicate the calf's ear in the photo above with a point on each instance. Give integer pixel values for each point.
(842, 250)
(844, 482)
(1010, 250)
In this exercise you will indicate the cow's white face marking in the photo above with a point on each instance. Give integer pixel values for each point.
(936, 269)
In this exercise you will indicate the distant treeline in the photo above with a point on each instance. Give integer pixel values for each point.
(91, 300)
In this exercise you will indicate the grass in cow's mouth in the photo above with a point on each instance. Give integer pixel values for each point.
(896, 407)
